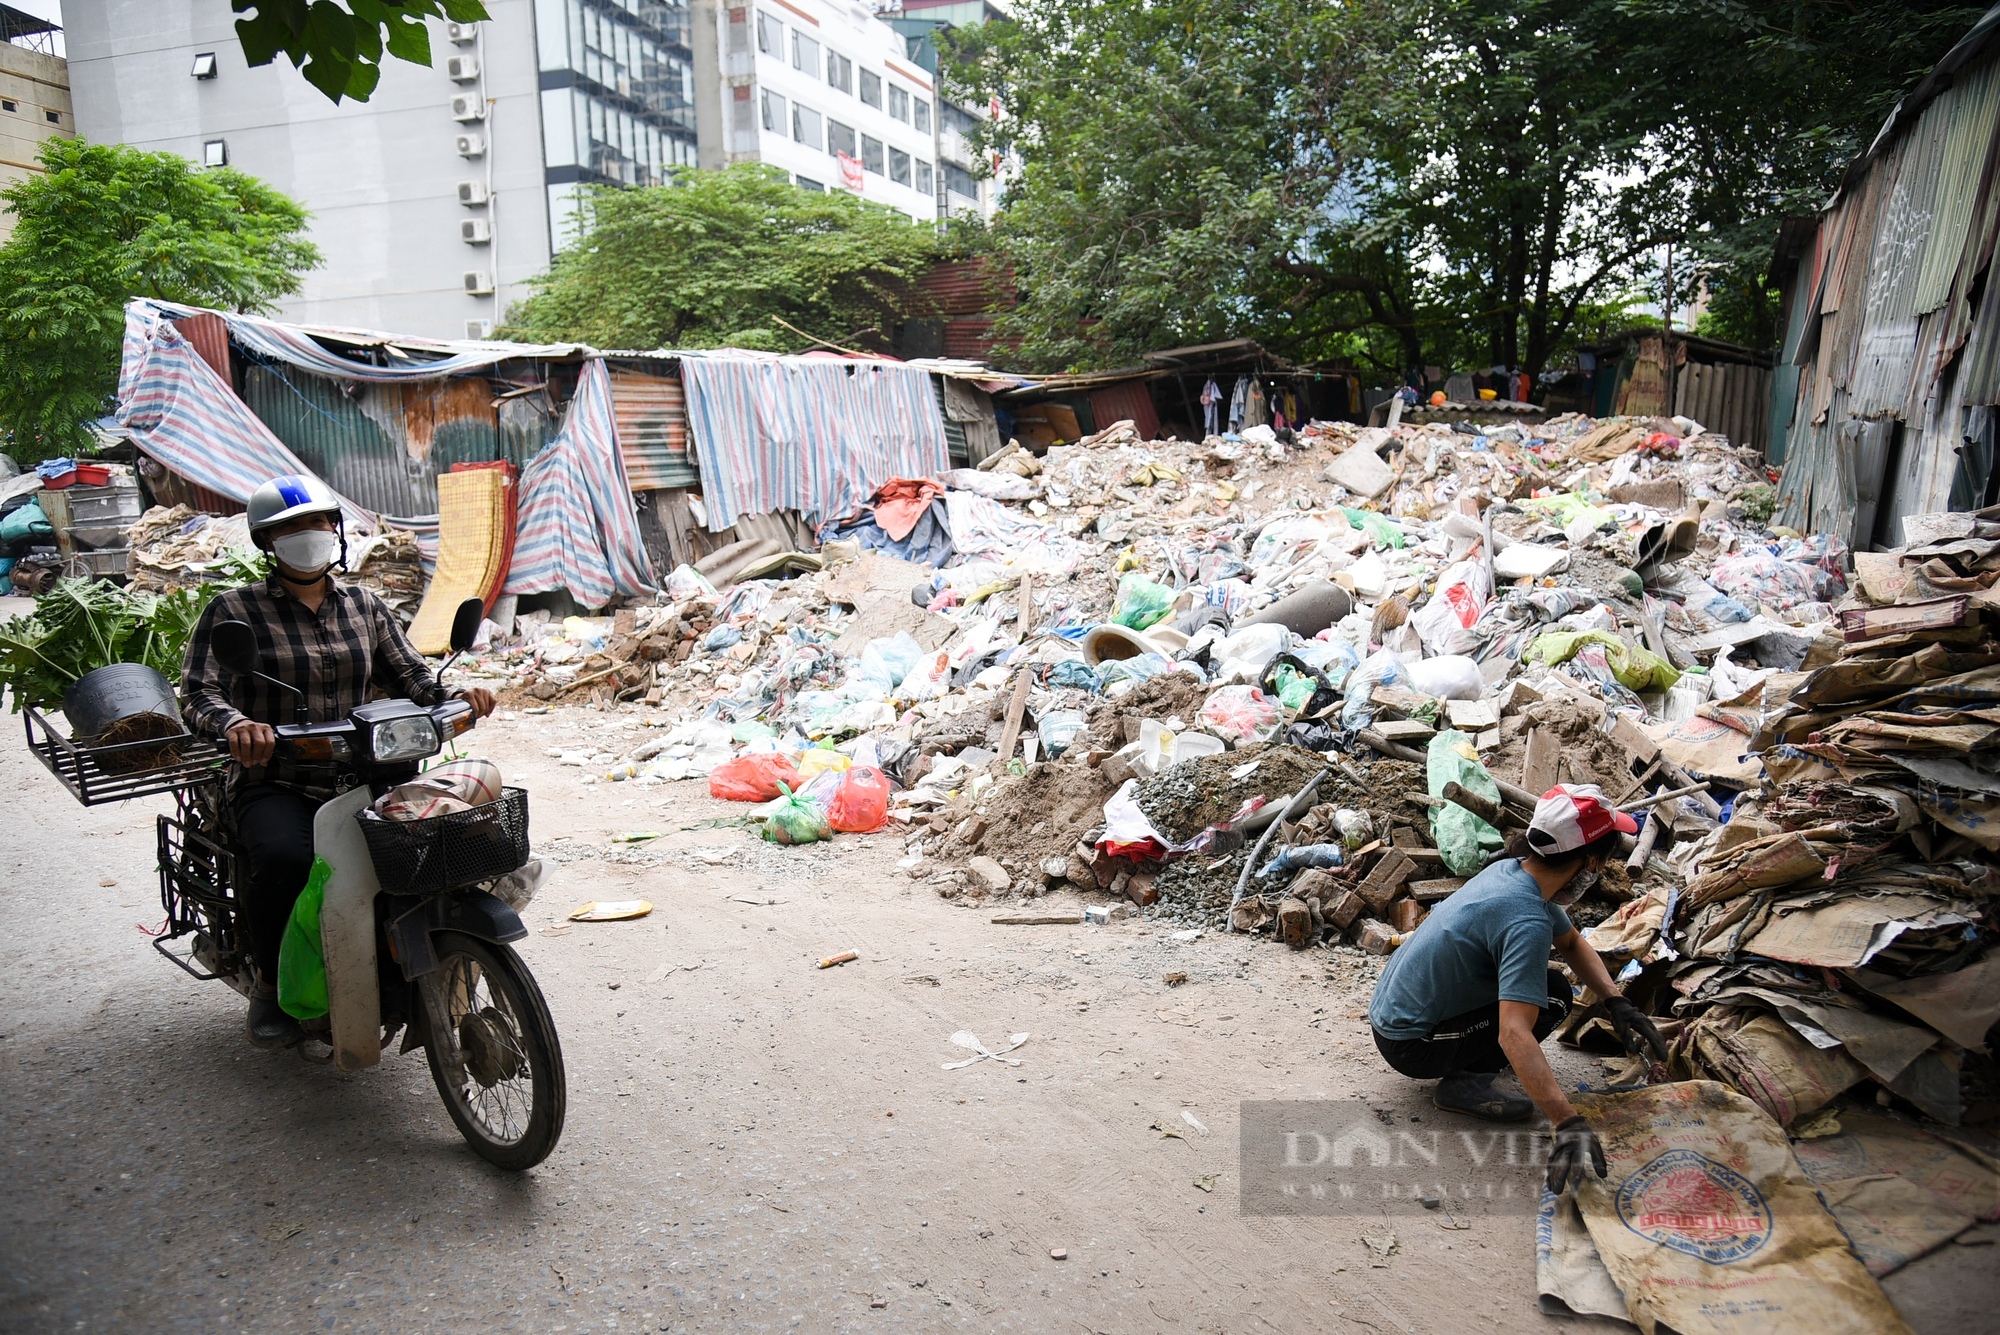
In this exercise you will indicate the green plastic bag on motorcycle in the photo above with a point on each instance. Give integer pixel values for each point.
(794, 819)
(301, 963)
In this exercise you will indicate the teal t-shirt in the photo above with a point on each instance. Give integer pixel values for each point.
(1490, 940)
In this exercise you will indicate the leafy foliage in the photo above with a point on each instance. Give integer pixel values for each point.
(339, 48)
(100, 225)
(729, 258)
(82, 625)
(1412, 182)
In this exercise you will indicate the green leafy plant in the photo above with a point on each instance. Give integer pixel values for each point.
(82, 625)
(99, 225)
(339, 48)
(739, 257)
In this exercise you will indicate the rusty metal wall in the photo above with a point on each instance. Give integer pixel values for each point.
(208, 334)
(1133, 400)
(383, 446)
(651, 412)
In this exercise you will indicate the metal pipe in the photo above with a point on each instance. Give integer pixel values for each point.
(1301, 802)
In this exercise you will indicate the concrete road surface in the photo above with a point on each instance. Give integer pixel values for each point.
(753, 1144)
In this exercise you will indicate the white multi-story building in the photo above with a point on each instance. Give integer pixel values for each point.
(438, 199)
(825, 91)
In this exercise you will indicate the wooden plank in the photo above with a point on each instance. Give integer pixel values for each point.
(1627, 734)
(1038, 919)
(1405, 730)
(1538, 768)
(1011, 733)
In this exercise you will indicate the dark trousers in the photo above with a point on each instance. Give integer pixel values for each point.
(1471, 1042)
(275, 826)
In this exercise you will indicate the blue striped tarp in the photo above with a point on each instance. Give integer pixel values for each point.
(814, 434)
(579, 529)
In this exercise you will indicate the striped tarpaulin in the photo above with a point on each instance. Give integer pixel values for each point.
(296, 346)
(186, 416)
(579, 529)
(814, 434)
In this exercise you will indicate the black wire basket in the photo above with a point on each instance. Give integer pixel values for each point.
(425, 857)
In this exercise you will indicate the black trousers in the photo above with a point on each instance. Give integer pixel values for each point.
(275, 826)
(1471, 1042)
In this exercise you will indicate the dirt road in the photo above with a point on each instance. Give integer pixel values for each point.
(753, 1143)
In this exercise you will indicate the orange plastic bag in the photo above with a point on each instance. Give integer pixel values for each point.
(861, 803)
(752, 778)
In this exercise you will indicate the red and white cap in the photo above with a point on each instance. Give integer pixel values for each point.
(1570, 815)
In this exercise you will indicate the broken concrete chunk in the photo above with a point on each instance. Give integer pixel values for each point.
(1361, 471)
(991, 873)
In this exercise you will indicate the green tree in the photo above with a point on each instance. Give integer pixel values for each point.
(738, 257)
(339, 48)
(99, 225)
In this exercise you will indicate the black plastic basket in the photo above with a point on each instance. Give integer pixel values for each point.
(424, 857)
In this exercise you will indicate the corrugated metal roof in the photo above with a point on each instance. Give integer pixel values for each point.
(651, 411)
(1972, 111)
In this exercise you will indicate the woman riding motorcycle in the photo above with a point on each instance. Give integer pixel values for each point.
(332, 643)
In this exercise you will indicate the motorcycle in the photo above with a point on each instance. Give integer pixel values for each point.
(415, 924)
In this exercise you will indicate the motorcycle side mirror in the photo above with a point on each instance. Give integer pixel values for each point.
(465, 624)
(235, 646)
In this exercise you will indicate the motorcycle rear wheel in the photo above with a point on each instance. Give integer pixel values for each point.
(493, 1051)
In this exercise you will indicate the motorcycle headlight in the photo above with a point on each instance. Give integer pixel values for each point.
(411, 737)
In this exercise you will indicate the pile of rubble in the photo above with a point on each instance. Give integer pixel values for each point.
(176, 546)
(1301, 686)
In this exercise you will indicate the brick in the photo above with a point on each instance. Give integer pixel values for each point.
(1394, 868)
(1405, 914)
(1294, 923)
(1342, 909)
(1374, 936)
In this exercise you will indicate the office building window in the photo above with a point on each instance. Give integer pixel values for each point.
(899, 166)
(840, 138)
(774, 112)
(840, 72)
(770, 35)
(899, 103)
(871, 89)
(959, 181)
(806, 126)
(807, 183)
(871, 155)
(924, 181)
(629, 62)
(922, 116)
(805, 54)
(215, 153)
(8, 104)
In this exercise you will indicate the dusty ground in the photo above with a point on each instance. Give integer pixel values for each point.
(752, 1144)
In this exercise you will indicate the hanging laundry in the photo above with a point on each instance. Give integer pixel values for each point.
(1254, 406)
(1237, 400)
(1211, 407)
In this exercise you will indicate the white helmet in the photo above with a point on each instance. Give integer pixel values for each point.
(288, 497)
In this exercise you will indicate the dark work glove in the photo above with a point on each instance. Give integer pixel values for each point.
(1573, 1141)
(1634, 1028)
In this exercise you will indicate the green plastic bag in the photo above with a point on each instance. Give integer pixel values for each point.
(301, 962)
(1464, 840)
(1141, 602)
(1379, 530)
(1636, 669)
(791, 819)
(1295, 688)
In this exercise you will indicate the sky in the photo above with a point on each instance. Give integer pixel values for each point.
(43, 9)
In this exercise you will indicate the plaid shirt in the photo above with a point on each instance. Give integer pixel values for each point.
(334, 655)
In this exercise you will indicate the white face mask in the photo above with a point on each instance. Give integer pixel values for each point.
(307, 553)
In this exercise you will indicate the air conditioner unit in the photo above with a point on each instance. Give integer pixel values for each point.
(468, 107)
(462, 69)
(471, 193)
(465, 34)
(471, 145)
(478, 283)
(480, 329)
(475, 231)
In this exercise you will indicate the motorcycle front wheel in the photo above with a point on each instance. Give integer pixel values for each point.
(493, 1051)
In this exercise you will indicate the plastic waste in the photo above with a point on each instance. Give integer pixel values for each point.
(1464, 840)
(1299, 857)
(686, 582)
(930, 677)
(1247, 652)
(861, 803)
(1450, 677)
(1056, 729)
(792, 819)
(1636, 669)
(1356, 827)
(820, 760)
(1446, 621)
(1381, 668)
(1241, 714)
(752, 778)
(883, 664)
(301, 960)
(1141, 602)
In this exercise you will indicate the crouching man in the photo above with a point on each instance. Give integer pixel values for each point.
(1471, 993)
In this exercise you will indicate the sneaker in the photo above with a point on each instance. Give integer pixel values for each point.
(267, 1025)
(1474, 1093)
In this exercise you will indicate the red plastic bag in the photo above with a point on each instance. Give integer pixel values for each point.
(861, 803)
(752, 778)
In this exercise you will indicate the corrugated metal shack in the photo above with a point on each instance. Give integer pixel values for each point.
(1657, 372)
(1893, 325)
